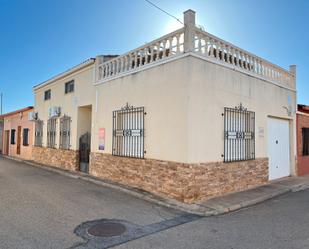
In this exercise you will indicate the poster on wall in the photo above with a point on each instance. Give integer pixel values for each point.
(101, 138)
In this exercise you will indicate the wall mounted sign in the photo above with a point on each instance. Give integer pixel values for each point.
(102, 139)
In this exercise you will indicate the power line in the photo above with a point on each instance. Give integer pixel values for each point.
(156, 6)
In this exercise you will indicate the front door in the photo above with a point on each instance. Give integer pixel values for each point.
(18, 140)
(84, 152)
(278, 148)
(6, 143)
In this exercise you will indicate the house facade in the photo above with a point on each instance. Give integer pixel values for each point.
(188, 116)
(302, 116)
(17, 133)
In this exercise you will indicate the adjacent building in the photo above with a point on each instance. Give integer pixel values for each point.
(188, 116)
(302, 140)
(18, 133)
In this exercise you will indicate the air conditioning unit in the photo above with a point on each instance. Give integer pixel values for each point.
(32, 116)
(54, 112)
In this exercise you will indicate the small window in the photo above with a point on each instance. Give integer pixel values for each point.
(13, 136)
(25, 137)
(47, 94)
(305, 135)
(69, 87)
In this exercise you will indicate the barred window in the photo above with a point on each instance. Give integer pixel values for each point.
(38, 133)
(65, 132)
(13, 131)
(25, 137)
(305, 135)
(51, 132)
(239, 134)
(128, 132)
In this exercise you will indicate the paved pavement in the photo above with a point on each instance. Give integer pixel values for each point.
(43, 209)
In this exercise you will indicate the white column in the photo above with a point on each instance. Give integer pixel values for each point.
(189, 23)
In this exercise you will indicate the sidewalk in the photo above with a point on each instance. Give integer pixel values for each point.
(214, 206)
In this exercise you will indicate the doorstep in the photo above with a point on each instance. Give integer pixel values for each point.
(214, 206)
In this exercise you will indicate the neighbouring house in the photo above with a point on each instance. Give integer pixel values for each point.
(188, 116)
(302, 133)
(18, 133)
(1, 135)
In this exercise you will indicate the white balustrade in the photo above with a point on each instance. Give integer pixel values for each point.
(193, 40)
(160, 49)
(216, 49)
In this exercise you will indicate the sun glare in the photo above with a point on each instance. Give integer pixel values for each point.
(171, 26)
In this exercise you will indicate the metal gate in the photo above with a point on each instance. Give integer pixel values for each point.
(84, 152)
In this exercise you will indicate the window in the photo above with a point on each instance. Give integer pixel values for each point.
(69, 87)
(25, 137)
(305, 135)
(47, 94)
(51, 132)
(65, 132)
(239, 135)
(38, 134)
(128, 132)
(13, 136)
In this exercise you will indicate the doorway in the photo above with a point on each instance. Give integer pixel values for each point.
(84, 135)
(18, 140)
(6, 143)
(278, 148)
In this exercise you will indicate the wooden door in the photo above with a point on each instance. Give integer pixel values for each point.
(6, 143)
(18, 140)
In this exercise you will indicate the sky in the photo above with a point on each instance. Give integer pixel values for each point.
(42, 38)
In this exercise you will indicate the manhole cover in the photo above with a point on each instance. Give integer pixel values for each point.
(106, 229)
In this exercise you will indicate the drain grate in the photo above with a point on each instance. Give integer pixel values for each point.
(106, 229)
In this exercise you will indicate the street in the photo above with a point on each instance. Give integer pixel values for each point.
(43, 209)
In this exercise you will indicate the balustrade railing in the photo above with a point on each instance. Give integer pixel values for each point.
(214, 48)
(162, 48)
(193, 40)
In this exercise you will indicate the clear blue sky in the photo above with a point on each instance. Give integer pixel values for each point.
(41, 38)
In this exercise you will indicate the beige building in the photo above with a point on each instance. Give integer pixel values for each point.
(188, 116)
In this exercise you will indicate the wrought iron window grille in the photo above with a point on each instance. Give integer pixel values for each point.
(38, 133)
(51, 132)
(239, 134)
(129, 132)
(65, 132)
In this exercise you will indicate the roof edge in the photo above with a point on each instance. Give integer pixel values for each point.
(28, 108)
(65, 73)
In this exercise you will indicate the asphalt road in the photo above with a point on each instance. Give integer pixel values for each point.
(42, 209)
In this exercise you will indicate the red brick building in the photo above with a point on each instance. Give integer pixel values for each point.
(302, 140)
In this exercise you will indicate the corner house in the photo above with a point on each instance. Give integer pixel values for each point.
(188, 116)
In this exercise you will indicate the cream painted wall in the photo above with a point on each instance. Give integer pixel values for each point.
(162, 90)
(214, 87)
(184, 100)
(83, 95)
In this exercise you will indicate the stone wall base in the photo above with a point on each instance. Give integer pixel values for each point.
(185, 182)
(65, 159)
